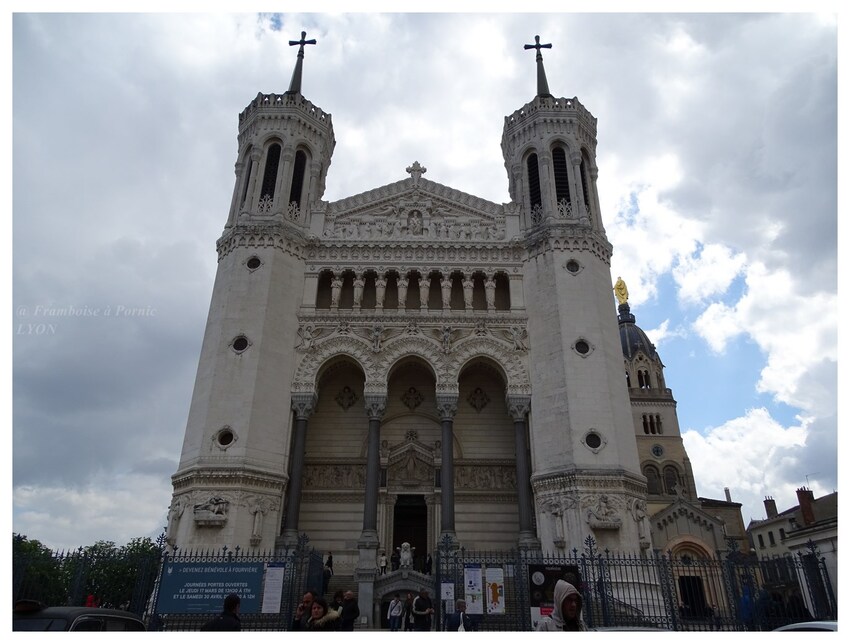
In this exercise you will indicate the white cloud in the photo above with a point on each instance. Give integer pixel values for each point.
(69, 517)
(708, 273)
(796, 331)
(754, 456)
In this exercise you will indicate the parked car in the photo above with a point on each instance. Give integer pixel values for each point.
(30, 615)
(822, 625)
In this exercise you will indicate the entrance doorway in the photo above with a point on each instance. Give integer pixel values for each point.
(410, 523)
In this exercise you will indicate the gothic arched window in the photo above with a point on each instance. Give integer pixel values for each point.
(562, 176)
(298, 177)
(534, 197)
(270, 173)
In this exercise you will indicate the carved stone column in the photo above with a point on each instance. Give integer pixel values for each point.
(303, 405)
(375, 406)
(239, 168)
(447, 408)
(518, 407)
(252, 198)
(575, 159)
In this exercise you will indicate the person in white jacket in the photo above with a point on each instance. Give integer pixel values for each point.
(394, 613)
(566, 614)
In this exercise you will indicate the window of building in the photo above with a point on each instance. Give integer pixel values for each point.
(653, 480)
(298, 177)
(761, 540)
(671, 479)
(270, 173)
(534, 197)
(770, 538)
(562, 175)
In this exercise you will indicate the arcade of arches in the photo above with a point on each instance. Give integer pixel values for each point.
(413, 501)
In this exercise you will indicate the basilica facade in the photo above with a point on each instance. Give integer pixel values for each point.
(414, 364)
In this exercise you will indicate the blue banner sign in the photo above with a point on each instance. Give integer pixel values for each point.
(202, 587)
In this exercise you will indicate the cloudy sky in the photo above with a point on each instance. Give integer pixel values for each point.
(717, 154)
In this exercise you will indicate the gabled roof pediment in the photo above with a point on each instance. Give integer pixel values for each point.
(417, 209)
(693, 514)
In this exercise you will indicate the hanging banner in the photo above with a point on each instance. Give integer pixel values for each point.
(473, 590)
(202, 587)
(495, 591)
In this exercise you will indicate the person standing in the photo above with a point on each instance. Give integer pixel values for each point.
(382, 562)
(407, 613)
(459, 620)
(303, 611)
(394, 613)
(321, 617)
(327, 573)
(330, 562)
(229, 618)
(566, 614)
(423, 608)
(429, 564)
(350, 611)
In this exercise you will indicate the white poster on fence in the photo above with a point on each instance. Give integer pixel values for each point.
(494, 591)
(473, 590)
(273, 588)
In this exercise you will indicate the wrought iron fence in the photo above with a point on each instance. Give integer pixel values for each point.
(300, 568)
(731, 592)
(133, 583)
(107, 578)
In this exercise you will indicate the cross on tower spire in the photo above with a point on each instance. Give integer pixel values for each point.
(295, 83)
(542, 85)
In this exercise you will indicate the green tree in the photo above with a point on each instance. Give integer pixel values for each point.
(36, 572)
(115, 577)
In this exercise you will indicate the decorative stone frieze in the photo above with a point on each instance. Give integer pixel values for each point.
(603, 512)
(281, 236)
(212, 512)
(334, 476)
(487, 476)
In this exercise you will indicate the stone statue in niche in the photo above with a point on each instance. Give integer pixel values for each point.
(414, 223)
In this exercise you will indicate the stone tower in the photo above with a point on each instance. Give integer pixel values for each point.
(234, 466)
(586, 473)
